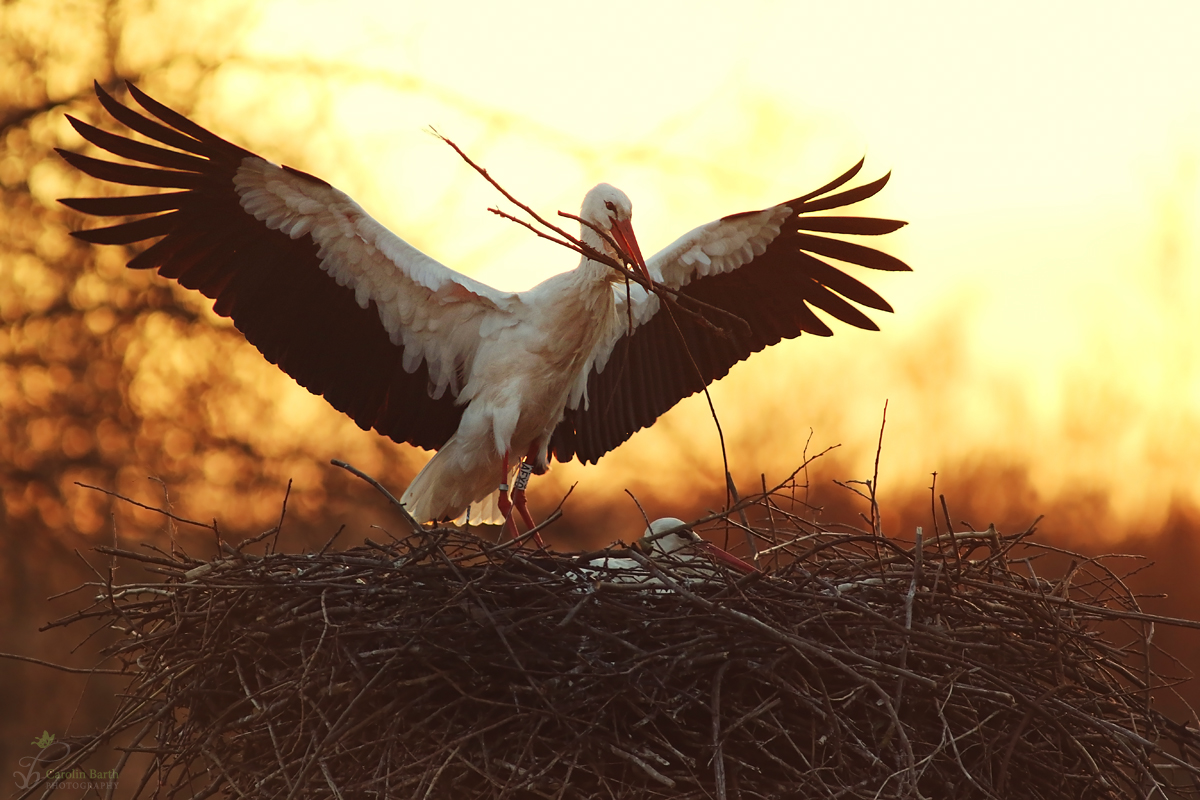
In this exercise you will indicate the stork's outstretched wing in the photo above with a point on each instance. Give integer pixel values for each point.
(383, 332)
(763, 270)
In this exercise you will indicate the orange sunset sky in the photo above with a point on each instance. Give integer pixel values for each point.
(1044, 154)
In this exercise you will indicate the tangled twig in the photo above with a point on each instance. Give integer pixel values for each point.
(442, 664)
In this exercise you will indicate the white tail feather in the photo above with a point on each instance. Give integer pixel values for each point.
(482, 512)
(444, 490)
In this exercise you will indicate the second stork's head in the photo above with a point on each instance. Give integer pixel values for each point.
(609, 209)
(671, 540)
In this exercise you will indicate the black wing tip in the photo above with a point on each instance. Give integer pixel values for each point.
(82, 235)
(852, 173)
(72, 158)
(880, 182)
(73, 204)
(103, 94)
(141, 97)
(106, 96)
(893, 265)
(84, 129)
(69, 202)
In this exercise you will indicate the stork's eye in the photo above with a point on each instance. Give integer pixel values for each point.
(609, 205)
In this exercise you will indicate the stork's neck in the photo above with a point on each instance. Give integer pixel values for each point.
(589, 269)
(569, 298)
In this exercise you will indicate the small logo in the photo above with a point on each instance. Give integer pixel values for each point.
(45, 740)
(39, 769)
(51, 751)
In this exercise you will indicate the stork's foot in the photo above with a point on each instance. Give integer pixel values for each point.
(517, 502)
(506, 509)
(518, 499)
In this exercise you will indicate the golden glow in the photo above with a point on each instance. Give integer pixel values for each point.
(1044, 155)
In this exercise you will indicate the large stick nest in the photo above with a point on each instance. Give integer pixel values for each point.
(442, 665)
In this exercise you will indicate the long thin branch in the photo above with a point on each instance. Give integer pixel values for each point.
(581, 247)
(61, 667)
(583, 250)
(133, 502)
(712, 408)
(416, 526)
(598, 256)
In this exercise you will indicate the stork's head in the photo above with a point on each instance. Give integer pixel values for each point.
(682, 543)
(609, 209)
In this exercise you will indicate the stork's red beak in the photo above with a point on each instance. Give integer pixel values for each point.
(622, 231)
(727, 558)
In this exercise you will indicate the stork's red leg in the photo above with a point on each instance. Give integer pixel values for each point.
(518, 495)
(518, 498)
(505, 506)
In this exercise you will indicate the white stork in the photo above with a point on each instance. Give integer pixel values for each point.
(670, 543)
(425, 355)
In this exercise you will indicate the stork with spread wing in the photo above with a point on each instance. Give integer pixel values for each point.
(425, 355)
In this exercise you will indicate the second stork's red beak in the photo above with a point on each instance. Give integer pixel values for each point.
(622, 231)
(727, 558)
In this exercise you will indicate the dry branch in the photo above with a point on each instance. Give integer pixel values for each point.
(443, 665)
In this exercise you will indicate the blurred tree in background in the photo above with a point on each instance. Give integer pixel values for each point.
(114, 378)
(109, 375)
(121, 380)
